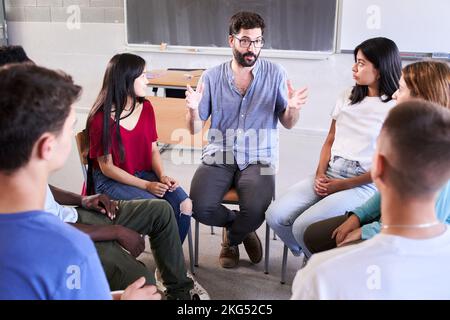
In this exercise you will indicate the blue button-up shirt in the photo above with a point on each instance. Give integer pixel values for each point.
(244, 125)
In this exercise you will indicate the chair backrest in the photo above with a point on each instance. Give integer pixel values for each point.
(83, 151)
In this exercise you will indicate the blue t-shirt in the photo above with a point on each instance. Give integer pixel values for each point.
(43, 258)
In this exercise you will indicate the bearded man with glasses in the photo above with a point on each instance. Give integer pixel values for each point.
(245, 98)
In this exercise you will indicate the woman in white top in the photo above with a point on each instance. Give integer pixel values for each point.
(342, 180)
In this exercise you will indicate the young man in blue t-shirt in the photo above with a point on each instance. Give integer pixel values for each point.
(117, 225)
(40, 256)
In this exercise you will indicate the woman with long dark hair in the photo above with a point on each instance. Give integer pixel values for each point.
(125, 160)
(427, 80)
(342, 180)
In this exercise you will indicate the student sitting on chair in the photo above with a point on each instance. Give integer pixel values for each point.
(428, 80)
(41, 257)
(409, 259)
(342, 179)
(118, 225)
(126, 163)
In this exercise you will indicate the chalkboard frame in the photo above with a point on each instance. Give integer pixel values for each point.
(282, 53)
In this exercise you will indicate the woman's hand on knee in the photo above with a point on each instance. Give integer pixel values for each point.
(341, 232)
(353, 236)
(170, 182)
(319, 185)
(331, 186)
(157, 188)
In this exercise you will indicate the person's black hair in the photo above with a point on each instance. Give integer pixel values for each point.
(245, 20)
(385, 56)
(118, 86)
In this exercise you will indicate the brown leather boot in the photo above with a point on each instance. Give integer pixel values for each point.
(229, 255)
(253, 247)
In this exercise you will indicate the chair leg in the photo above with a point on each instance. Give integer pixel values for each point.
(266, 258)
(197, 227)
(191, 251)
(284, 265)
(212, 230)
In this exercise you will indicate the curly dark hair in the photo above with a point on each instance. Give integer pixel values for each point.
(245, 20)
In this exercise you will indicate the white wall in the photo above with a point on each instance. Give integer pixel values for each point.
(84, 54)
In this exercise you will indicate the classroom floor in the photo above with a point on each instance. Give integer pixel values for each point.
(247, 281)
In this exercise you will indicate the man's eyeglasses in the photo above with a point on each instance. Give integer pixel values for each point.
(246, 42)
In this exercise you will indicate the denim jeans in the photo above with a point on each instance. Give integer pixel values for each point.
(292, 213)
(120, 191)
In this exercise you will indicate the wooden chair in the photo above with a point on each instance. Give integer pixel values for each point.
(82, 141)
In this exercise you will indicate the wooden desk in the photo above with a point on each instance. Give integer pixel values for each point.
(171, 123)
(173, 79)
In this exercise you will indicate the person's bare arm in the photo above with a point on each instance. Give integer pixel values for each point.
(324, 185)
(98, 202)
(65, 198)
(113, 172)
(157, 167)
(129, 239)
(325, 155)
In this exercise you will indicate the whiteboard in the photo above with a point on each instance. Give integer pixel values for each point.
(421, 26)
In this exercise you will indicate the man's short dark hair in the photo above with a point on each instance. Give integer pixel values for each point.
(245, 20)
(33, 100)
(12, 54)
(418, 135)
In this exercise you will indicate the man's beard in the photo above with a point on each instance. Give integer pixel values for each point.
(240, 58)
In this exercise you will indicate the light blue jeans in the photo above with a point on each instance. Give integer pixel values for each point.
(292, 213)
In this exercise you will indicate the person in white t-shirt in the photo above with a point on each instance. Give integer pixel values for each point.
(342, 179)
(409, 259)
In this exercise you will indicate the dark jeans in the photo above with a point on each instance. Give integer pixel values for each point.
(149, 217)
(120, 191)
(211, 182)
(317, 236)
